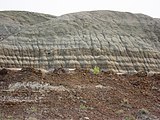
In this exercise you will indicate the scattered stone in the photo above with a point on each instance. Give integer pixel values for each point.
(31, 118)
(141, 73)
(157, 76)
(60, 70)
(86, 96)
(144, 114)
(3, 71)
(100, 86)
(119, 112)
(86, 118)
(143, 111)
(35, 86)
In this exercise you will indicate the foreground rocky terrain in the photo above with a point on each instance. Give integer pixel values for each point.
(60, 94)
(122, 42)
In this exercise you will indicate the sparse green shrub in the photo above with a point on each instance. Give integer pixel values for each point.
(125, 103)
(83, 107)
(96, 70)
(130, 117)
(143, 111)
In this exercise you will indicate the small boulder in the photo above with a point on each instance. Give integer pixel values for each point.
(3, 71)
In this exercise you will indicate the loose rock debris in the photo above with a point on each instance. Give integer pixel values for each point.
(25, 94)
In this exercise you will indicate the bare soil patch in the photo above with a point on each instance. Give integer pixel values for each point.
(31, 94)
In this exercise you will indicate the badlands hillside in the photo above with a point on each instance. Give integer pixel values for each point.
(114, 41)
(118, 41)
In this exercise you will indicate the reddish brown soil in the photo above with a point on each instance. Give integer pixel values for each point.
(88, 96)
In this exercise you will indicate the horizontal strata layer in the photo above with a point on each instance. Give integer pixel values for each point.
(119, 61)
(122, 42)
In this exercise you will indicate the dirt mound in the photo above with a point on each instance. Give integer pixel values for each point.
(80, 94)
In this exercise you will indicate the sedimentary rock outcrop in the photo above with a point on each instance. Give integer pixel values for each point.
(12, 22)
(123, 42)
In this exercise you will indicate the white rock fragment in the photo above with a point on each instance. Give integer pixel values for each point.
(100, 86)
(86, 118)
(35, 86)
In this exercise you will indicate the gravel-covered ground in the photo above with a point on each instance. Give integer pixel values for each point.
(31, 94)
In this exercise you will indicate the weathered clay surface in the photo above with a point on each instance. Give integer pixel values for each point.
(122, 42)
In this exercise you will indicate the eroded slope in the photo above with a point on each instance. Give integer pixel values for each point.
(123, 42)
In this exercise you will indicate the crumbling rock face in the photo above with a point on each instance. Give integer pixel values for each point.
(12, 22)
(122, 42)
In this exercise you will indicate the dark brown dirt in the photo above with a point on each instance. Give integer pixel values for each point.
(79, 95)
